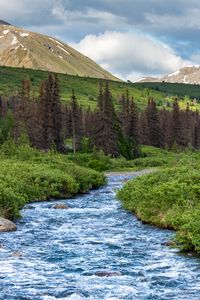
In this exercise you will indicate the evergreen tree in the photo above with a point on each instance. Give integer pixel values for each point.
(21, 110)
(132, 130)
(153, 123)
(107, 125)
(50, 115)
(176, 126)
(76, 123)
(165, 119)
(196, 130)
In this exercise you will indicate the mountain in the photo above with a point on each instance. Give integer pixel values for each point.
(25, 49)
(4, 23)
(188, 74)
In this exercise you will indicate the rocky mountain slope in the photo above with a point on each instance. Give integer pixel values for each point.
(24, 49)
(188, 74)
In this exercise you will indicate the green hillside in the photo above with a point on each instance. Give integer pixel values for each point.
(86, 89)
(179, 89)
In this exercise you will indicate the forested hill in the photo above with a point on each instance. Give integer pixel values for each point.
(86, 89)
(179, 89)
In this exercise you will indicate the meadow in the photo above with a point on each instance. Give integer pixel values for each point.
(86, 89)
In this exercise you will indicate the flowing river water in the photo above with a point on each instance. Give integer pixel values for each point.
(65, 254)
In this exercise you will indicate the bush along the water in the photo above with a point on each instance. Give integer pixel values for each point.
(169, 198)
(30, 175)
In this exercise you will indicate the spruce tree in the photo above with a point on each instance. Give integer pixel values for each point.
(153, 123)
(107, 126)
(176, 126)
(51, 115)
(76, 123)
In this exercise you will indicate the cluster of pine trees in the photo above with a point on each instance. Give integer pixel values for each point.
(49, 123)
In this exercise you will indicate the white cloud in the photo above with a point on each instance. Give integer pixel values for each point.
(131, 55)
(188, 20)
(88, 15)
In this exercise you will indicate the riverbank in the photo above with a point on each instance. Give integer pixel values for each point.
(29, 175)
(169, 198)
(130, 173)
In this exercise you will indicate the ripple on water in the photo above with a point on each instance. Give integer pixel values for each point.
(62, 250)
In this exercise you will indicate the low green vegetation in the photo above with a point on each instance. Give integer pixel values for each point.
(151, 157)
(169, 198)
(30, 175)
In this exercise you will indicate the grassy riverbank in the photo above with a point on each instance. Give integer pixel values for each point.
(169, 198)
(27, 175)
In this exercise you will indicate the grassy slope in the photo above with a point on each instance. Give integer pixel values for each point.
(27, 175)
(86, 89)
(169, 198)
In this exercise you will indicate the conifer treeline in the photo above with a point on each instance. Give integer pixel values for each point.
(49, 123)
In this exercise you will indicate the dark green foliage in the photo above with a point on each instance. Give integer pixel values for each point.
(50, 115)
(76, 123)
(129, 118)
(153, 124)
(107, 128)
(172, 89)
(177, 132)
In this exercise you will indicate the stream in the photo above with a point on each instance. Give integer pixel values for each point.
(93, 250)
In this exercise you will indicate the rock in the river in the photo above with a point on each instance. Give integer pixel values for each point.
(30, 207)
(6, 225)
(169, 244)
(108, 273)
(16, 254)
(60, 206)
(73, 291)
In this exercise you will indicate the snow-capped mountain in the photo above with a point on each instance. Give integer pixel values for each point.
(25, 49)
(189, 75)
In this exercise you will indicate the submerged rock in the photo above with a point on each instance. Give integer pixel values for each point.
(60, 206)
(169, 244)
(73, 291)
(6, 225)
(16, 254)
(108, 273)
(30, 207)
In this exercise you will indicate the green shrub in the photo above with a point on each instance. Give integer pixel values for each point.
(29, 175)
(169, 198)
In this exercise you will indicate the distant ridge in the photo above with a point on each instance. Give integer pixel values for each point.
(4, 23)
(188, 75)
(24, 49)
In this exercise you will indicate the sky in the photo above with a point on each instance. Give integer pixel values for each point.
(129, 38)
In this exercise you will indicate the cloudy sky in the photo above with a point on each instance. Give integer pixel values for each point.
(130, 38)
